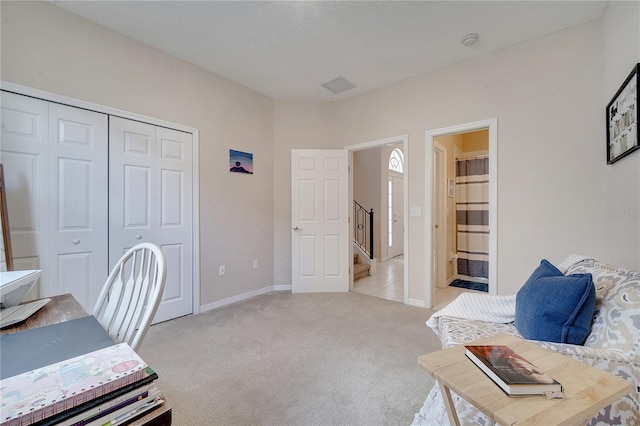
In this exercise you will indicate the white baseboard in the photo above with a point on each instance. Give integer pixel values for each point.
(282, 287)
(238, 298)
(416, 302)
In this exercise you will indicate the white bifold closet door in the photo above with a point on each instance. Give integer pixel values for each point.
(77, 183)
(55, 161)
(24, 154)
(150, 199)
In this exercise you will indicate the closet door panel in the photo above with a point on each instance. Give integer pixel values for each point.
(74, 271)
(78, 184)
(131, 175)
(24, 154)
(175, 226)
(23, 174)
(137, 198)
(150, 198)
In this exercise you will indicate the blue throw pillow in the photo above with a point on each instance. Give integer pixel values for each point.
(555, 308)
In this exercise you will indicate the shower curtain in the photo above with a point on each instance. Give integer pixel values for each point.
(472, 216)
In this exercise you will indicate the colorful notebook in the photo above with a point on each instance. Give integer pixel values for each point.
(44, 392)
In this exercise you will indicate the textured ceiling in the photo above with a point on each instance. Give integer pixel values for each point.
(287, 50)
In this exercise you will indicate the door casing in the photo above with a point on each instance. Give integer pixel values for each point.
(439, 208)
(492, 126)
(404, 139)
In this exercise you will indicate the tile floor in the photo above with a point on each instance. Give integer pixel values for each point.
(388, 283)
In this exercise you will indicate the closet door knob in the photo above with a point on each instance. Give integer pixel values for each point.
(138, 237)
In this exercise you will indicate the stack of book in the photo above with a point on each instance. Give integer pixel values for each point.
(110, 386)
(72, 373)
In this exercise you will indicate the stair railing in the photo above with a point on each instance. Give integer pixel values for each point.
(363, 228)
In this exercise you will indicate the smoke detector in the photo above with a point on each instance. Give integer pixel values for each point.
(469, 39)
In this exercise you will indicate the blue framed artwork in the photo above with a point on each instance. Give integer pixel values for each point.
(240, 162)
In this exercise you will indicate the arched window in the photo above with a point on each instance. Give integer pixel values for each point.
(396, 161)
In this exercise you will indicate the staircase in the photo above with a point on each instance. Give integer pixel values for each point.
(360, 270)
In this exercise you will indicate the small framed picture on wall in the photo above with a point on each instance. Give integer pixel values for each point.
(622, 119)
(240, 162)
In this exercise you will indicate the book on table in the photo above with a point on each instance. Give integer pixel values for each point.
(48, 391)
(510, 371)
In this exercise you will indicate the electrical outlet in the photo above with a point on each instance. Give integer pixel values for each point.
(221, 270)
(255, 263)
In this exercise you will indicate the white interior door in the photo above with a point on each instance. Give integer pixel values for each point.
(174, 231)
(132, 147)
(55, 162)
(319, 221)
(78, 202)
(150, 199)
(24, 153)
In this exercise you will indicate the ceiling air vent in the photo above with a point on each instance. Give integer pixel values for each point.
(339, 85)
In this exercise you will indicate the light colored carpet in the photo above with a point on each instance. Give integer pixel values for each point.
(294, 359)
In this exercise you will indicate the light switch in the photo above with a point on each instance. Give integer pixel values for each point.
(416, 211)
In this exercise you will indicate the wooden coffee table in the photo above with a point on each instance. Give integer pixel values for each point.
(588, 389)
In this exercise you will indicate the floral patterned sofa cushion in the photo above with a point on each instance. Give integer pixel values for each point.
(617, 316)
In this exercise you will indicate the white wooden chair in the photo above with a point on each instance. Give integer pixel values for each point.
(131, 295)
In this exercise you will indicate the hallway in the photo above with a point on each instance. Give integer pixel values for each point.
(388, 283)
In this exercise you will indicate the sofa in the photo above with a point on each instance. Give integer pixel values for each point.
(612, 342)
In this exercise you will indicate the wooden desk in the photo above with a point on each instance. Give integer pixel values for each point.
(65, 308)
(588, 389)
(60, 309)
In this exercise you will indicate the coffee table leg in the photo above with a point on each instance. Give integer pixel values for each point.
(448, 403)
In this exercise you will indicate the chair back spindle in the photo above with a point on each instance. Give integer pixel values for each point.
(131, 295)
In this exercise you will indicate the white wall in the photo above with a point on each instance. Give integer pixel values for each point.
(619, 191)
(367, 179)
(546, 95)
(47, 48)
(296, 125)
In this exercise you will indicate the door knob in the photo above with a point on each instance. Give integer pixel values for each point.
(138, 237)
(76, 241)
(295, 228)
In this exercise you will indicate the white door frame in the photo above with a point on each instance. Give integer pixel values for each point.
(404, 139)
(53, 97)
(430, 135)
(440, 176)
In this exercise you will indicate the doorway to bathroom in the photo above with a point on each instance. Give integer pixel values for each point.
(461, 223)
